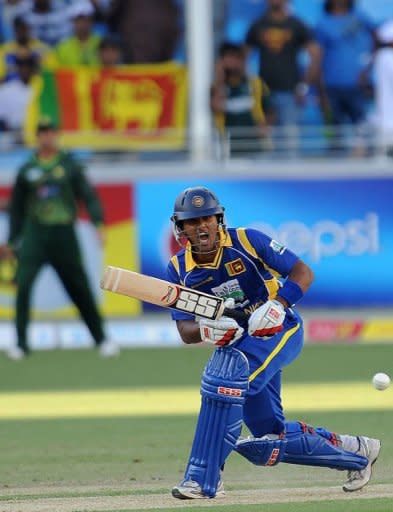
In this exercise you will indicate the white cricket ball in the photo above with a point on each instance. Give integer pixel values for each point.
(381, 381)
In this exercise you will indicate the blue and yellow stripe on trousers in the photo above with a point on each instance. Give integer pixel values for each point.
(276, 351)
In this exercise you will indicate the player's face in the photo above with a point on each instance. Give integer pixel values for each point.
(277, 4)
(202, 232)
(47, 139)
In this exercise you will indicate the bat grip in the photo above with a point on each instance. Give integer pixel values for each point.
(239, 316)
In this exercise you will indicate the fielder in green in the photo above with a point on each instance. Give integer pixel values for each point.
(43, 210)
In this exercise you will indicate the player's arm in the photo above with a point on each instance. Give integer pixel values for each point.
(268, 319)
(186, 324)
(301, 276)
(224, 331)
(252, 38)
(221, 333)
(6, 252)
(217, 98)
(16, 210)
(312, 72)
(286, 264)
(85, 192)
(189, 331)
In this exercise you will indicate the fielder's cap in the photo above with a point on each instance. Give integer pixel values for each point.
(385, 32)
(46, 123)
(82, 8)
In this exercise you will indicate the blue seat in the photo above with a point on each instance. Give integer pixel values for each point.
(240, 15)
(310, 10)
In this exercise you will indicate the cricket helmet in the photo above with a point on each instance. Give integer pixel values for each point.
(196, 202)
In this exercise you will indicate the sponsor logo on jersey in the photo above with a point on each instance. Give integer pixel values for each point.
(58, 172)
(252, 308)
(231, 290)
(235, 267)
(48, 191)
(34, 174)
(277, 247)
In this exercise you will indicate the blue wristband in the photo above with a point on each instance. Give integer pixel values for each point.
(291, 292)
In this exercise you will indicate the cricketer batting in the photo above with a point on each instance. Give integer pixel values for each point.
(242, 380)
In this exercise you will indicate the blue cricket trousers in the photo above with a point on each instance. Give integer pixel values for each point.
(263, 413)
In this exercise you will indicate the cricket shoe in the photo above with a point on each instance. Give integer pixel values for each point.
(191, 490)
(108, 349)
(370, 449)
(15, 353)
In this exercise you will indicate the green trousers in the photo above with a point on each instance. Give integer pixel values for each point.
(57, 246)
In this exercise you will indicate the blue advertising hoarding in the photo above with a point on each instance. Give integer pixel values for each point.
(343, 228)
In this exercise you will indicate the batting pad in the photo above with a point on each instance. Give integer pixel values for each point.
(223, 389)
(262, 451)
(303, 448)
(313, 450)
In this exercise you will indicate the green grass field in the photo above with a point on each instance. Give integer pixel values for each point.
(78, 433)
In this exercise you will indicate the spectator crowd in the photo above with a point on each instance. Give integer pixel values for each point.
(326, 74)
(275, 75)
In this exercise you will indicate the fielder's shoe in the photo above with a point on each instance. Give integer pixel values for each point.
(369, 448)
(108, 349)
(15, 353)
(190, 490)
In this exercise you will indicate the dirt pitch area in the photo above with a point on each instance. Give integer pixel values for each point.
(37, 503)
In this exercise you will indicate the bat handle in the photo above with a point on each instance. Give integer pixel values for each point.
(237, 315)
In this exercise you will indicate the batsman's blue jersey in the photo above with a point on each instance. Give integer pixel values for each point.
(248, 268)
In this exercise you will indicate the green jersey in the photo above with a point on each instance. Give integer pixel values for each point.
(47, 192)
(246, 101)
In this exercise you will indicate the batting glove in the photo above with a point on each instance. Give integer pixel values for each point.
(267, 320)
(222, 332)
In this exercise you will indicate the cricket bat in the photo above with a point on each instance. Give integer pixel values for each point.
(166, 294)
